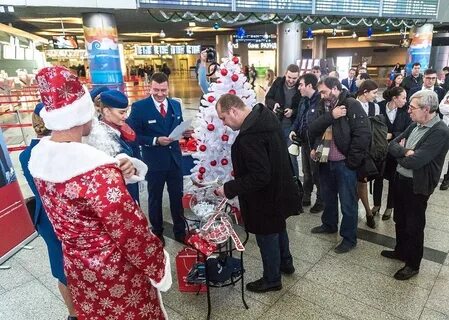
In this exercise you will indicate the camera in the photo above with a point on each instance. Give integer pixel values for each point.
(211, 55)
(279, 112)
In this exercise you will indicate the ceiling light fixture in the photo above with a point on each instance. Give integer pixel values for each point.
(192, 24)
(162, 34)
(354, 35)
(266, 36)
(189, 32)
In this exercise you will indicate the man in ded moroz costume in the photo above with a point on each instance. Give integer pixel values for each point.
(115, 266)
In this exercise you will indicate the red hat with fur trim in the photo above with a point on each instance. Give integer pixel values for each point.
(67, 102)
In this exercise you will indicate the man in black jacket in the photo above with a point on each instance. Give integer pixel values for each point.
(283, 98)
(263, 183)
(343, 124)
(307, 113)
(420, 151)
(413, 80)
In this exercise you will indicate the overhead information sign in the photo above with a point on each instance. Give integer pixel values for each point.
(349, 8)
(167, 49)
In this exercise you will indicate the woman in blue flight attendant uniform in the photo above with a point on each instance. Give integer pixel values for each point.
(40, 218)
(113, 136)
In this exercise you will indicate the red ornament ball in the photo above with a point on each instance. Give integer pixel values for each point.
(232, 91)
(224, 161)
(200, 177)
(211, 99)
(232, 173)
(224, 137)
(213, 163)
(210, 127)
(235, 60)
(202, 170)
(235, 77)
(203, 148)
(224, 72)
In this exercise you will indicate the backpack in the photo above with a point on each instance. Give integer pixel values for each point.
(378, 149)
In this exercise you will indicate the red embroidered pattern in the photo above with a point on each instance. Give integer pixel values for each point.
(110, 255)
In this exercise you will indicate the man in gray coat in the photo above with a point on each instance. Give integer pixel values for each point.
(420, 151)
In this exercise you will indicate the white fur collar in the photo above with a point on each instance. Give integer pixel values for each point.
(58, 162)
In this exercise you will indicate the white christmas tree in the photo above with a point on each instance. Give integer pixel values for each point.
(213, 156)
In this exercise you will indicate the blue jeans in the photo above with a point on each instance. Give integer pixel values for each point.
(337, 179)
(275, 252)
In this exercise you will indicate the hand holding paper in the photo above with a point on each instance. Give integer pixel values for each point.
(178, 132)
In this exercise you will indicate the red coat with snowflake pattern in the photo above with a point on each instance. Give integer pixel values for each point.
(110, 255)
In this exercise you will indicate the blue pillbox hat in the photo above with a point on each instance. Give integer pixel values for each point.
(38, 108)
(114, 99)
(96, 91)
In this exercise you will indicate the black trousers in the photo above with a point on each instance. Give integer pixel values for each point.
(410, 220)
(378, 185)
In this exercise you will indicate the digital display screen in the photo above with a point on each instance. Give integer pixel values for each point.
(65, 42)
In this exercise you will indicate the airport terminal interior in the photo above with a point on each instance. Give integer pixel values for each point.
(384, 38)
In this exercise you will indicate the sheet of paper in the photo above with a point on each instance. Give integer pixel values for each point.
(177, 132)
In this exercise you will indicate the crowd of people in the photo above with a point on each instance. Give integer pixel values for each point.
(89, 155)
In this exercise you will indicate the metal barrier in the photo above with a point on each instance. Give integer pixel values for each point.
(20, 102)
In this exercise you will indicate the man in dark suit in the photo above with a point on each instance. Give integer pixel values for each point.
(153, 119)
(349, 82)
(429, 83)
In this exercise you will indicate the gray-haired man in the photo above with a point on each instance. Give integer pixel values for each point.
(420, 151)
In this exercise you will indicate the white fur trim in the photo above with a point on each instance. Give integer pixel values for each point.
(140, 166)
(166, 281)
(61, 161)
(81, 111)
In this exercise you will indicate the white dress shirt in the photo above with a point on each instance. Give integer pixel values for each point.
(365, 106)
(158, 108)
(391, 114)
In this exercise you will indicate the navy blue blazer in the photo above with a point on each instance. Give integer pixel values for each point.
(148, 123)
(353, 88)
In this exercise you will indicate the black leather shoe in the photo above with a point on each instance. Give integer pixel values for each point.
(391, 254)
(387, 214)
(405, 273)
(343, 248)
(72, 318)
(317, 208)
(444, 184)
(322, 229)
(370, 222)
(261, 286)
(288, 270)
(306, 203)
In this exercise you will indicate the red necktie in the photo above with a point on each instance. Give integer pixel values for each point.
(163, 111)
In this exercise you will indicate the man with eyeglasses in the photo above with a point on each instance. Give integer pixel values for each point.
(420, 151)
(429, 83)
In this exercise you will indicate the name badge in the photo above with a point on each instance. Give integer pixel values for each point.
(151, 121)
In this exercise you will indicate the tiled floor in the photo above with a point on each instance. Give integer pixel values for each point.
(358, 285)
